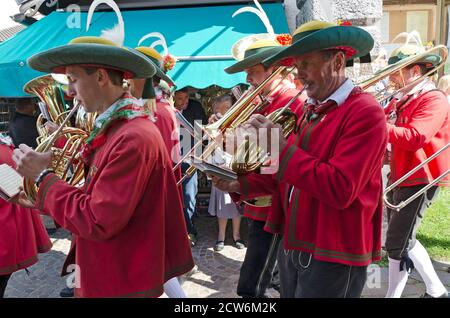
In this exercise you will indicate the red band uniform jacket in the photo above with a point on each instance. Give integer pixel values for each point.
(128, 226)
(168, 127)
(22, 233)
(422, 127)
(333, 167)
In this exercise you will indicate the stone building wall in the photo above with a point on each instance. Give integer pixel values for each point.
(363, 13)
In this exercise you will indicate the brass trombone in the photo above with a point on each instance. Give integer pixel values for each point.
(404, 203)
(238, 114)
(249, 157)
(381, 95)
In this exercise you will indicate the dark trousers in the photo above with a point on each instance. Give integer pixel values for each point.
(259, 262)
(301, 276)
(190, 188)
(3, 283)
(403, 225)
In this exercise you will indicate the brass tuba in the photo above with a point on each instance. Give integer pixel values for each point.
(65, 161)
(52, 105)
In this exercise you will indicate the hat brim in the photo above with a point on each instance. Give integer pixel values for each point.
(427, 59)
(164, 77)
(338, 36)
(55, 60)
(159, 72)
(253, 60)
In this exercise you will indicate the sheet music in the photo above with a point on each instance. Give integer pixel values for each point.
(10, 181)
(44, 111)
(208, 168)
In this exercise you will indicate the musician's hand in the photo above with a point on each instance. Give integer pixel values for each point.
(214, 117)
(30, 163)
(22, 200)
(226, 185)
(51, 127)
(258, 122)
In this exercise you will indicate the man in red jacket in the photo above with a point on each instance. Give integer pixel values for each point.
(150, 91)
(128, 227)
(157, 90)
(326, 194)
(22, 233)
(260, 258)
(418, 126)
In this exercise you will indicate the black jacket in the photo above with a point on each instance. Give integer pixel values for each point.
(22, 129)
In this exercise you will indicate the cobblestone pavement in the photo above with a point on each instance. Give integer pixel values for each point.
(216, 275)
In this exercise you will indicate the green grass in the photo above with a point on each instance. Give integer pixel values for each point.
(384, 262)
(434, 232)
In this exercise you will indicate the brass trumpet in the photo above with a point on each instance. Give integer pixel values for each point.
(249, 156)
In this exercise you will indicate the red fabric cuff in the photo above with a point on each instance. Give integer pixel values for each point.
(46, 183)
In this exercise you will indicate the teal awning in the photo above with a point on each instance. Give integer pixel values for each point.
(197, 32)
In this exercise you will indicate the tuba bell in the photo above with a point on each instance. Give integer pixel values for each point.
(65, 160)
(52, 104)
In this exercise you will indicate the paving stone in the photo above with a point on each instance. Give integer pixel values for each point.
(416, 290)
(216, 274)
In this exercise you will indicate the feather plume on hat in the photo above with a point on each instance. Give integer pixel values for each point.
(238, 49)
(259, 11)
(166, 60)
(117, 33)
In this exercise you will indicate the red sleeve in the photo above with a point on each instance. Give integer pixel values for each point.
(117, 191)
(358, 153)
(425, 122)
(6, 155)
